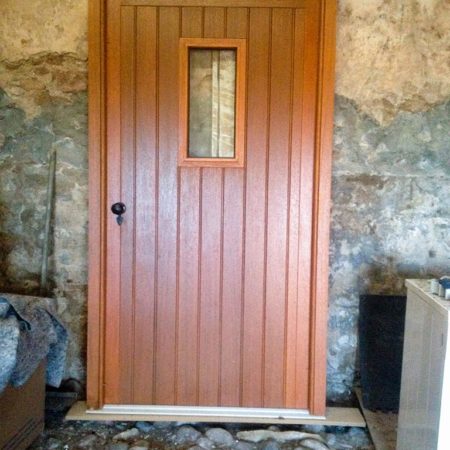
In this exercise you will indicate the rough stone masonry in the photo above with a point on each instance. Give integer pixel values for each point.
(391, 175)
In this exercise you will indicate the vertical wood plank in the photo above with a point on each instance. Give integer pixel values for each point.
(145, 223)
(97, 247)
(188, 264)
(321, 22)
(209, 326)
(128, 154)
(299, 275)
(231, 308)
(167, 234)
(187, 347)
(277, 197)
(112, 286)
(255, 220)
(308, 117)
(304, 273)
(214, 22)
(211, 257)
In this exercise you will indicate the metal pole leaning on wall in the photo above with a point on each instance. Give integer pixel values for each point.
(48, 218)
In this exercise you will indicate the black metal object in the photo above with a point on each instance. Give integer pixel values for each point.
(43, 288)
(381, 332)
(119, 209)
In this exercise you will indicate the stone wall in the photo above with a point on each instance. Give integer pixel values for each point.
(43, 108)
(390, 216)
(391, 170)
(391, 175)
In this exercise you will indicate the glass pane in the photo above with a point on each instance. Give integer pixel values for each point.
(212, 100)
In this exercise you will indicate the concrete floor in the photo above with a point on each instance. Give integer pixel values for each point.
(382, 428)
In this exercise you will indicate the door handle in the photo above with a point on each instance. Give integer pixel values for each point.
(119, 209)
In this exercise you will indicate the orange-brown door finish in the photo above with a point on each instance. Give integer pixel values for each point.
(211, 290)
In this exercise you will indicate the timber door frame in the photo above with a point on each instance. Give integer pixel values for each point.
(99, 209)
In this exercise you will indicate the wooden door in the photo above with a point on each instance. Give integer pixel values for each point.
(210, 293)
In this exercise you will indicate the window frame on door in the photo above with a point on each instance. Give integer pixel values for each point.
(240, 45)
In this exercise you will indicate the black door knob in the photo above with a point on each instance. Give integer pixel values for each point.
(118, 209)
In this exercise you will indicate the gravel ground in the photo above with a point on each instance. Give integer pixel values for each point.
(62, 435)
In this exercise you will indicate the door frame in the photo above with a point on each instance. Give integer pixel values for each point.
(99, 209)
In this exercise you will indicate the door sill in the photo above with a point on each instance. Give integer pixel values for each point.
(334, 416)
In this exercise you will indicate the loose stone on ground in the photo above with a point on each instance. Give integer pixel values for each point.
(205, 443)
(140, 445)
(186, 434)
(145, 427)
(279, 436)
(61, 435)
(220, 437)
(127, 434)
(313, 444)
(87, 441)
(269, 445)
(117, 446)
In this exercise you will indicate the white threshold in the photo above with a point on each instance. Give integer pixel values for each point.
(207, 411)
(333, 417)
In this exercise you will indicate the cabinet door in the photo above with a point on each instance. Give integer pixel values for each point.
(422, 375)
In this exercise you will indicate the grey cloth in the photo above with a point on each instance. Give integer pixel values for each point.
(30, 332)
(9, 339)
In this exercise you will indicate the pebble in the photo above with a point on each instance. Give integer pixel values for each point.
(127, 434)
(162, 424)
(118, 446)
(241, 445)
(205, 443)
(145, 427)
(103, 434)
(279, 436)
(186, 434)
(220, 436)
(196, 447)
(60, 435)
(53, 444)
(314, 429)
(87, 441)
(313, 444)
(269, 445)
(140, 445)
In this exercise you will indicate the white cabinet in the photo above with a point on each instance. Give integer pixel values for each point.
(425, 391)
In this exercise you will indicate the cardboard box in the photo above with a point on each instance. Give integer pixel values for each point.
(22, 412)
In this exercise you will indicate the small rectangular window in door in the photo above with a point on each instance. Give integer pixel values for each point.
(212, 101)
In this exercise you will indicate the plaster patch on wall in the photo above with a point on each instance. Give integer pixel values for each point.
(31, 27)
(393, 55)
(44, 78)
